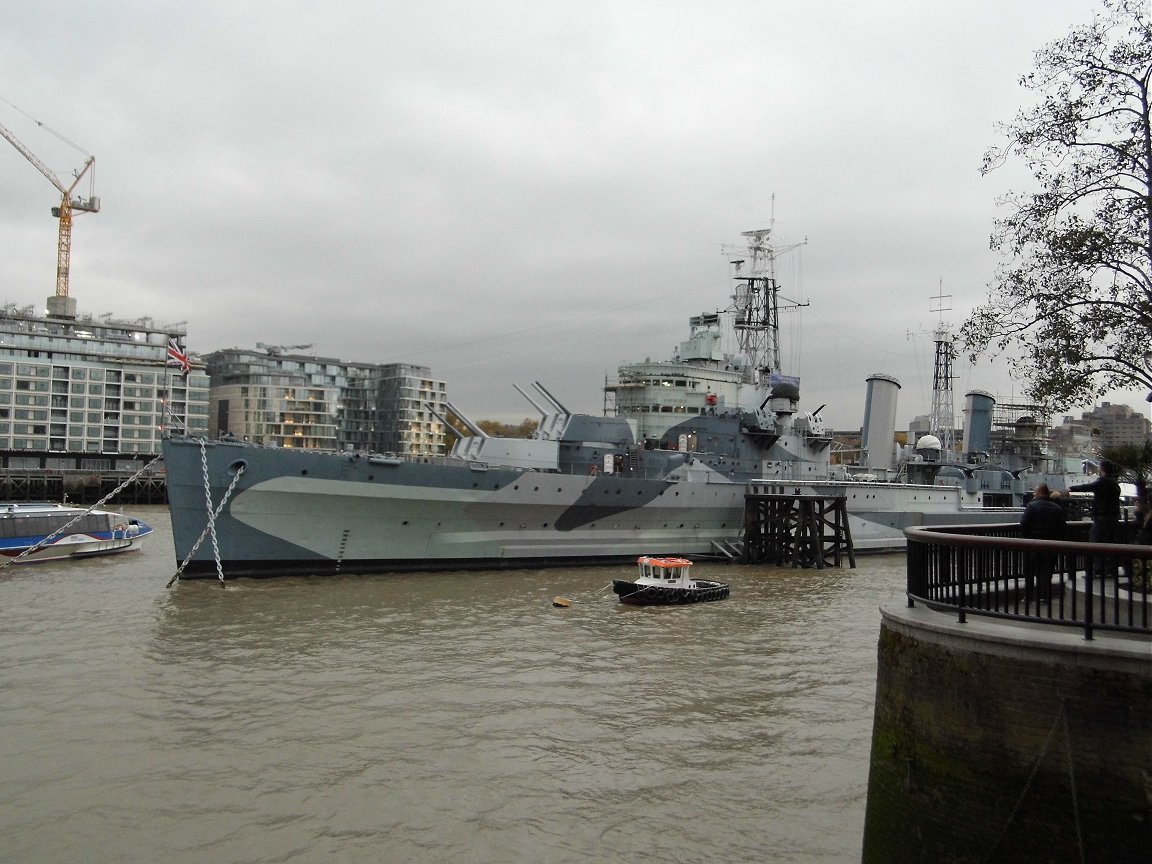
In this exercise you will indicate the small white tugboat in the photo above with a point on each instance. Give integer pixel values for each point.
(666, 582)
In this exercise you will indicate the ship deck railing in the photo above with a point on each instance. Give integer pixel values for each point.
(991, 571)
(653, 473)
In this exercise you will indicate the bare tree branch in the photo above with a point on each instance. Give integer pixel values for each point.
(1073, 300)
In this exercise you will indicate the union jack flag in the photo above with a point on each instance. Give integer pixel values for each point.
(176, 357)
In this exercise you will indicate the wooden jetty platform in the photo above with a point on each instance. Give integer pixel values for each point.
(796, 529)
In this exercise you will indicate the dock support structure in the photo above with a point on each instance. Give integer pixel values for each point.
(797, 530)
(1000, 742)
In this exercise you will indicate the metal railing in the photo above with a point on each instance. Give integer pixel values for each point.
(990, 570)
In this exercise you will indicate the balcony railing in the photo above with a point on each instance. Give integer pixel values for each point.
(990, 570)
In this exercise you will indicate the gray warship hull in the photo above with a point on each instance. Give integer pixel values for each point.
(297, 511)
(310, 512)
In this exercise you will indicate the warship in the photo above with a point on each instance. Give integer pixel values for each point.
(665, 468)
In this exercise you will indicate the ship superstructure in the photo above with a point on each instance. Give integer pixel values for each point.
(667, 470)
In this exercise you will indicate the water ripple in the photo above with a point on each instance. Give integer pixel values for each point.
(447, 717)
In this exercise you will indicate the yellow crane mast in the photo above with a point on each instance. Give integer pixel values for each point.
(61, 304)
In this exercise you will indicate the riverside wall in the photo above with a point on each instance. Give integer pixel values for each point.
(1001, 742)
(82, 487)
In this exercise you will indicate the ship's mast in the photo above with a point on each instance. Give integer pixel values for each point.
(941, 421)
(757, 323)
(756, 303)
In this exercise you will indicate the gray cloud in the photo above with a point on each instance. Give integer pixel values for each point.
(512, 191)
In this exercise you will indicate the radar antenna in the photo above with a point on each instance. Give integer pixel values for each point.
(756, 302)
(941, 420)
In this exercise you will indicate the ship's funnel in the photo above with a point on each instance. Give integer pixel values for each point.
(978, 421)
(880, 421)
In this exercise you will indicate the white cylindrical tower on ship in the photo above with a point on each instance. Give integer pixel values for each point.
(978, 421)
(879, 435)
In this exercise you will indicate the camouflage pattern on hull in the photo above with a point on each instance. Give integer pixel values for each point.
(308, 512)
(299, 511)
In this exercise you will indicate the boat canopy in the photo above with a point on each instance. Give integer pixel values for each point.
(663, 568)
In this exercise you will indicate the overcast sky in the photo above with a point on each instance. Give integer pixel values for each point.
(518, 191)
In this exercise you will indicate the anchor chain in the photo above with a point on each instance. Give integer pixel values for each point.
(44, 541)
(210, 528)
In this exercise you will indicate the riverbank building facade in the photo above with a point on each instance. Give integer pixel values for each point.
(88, 390)
(275, 398)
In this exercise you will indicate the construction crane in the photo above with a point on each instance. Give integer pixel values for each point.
(61, 304)
(276, 350)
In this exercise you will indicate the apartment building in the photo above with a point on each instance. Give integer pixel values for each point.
(270, 396)
(93, 385)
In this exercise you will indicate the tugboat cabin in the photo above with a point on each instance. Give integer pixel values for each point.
(666, 570)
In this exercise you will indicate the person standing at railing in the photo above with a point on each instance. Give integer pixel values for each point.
(1142, 513)
(1105, 510)
(1138, 569)
(1043, 519)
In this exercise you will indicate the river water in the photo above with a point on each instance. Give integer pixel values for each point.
(433, 717)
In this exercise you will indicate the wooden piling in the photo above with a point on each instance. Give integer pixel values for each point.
(797, 530)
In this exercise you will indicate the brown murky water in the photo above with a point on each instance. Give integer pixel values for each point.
(433, 717)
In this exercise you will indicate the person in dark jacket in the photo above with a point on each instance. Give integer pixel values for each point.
(1142, 517)
(1142, 514)
(1043, 519)
(1105, 491)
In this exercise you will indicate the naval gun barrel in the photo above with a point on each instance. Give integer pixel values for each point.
(463, 418)
(556, 402)
(535, 404)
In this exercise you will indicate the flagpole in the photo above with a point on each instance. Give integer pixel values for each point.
(167, 395)
(173, 352)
